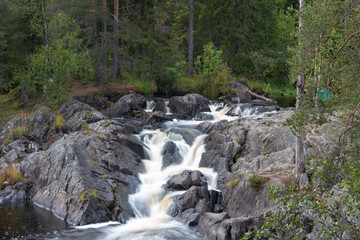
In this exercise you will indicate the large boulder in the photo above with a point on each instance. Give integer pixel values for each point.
(185, 180)
(128, 103)
(189, 105)
(171, 155)
(85, 177)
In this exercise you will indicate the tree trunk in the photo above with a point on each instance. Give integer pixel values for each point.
(299, 157)
(103, 46)
(191, 38)
(115, 70)
(97, 66)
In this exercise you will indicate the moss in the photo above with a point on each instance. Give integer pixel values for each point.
(93, 193)
(265, 153)
(239, 140)
(73, 209)
(212, 133)
(90, 153)
(106, 124)
(233, 183)
(82, 197)
(257, 181)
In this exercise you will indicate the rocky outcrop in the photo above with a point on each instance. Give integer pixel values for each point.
(77, 114)
(189, 105)
(98, 167)
(249, 156)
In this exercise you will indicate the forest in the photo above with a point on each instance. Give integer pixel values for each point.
(47, 44)
(303, 54)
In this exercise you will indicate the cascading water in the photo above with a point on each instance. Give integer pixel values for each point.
(151, 204)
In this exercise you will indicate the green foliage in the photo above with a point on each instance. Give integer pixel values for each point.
(213, 72)
(257, 181)
(59, 121)
(166, 68)
(81, 197)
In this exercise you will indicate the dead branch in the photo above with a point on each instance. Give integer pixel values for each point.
(263, 98)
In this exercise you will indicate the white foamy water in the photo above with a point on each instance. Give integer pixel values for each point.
(150, 202)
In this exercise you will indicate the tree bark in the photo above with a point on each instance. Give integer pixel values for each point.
(103, 46)
(115, 71)
(191, 38)
(97, 66)
(299, 156)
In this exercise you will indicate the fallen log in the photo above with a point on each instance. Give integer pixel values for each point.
(263, 98)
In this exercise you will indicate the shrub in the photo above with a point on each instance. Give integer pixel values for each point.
(257, 181)
(213, 72)
(59, 121)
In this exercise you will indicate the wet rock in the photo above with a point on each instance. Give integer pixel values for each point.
(160, 105)
(13, 194)
(171, 155)
(189, 105)
(185, 180)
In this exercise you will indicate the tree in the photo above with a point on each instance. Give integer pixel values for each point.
(191, 38)
(299, 158)
(115, 70)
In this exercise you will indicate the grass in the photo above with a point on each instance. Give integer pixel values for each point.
(11, 177)
(102, 137)
(106, 124)
(257, 181)
(141, 85)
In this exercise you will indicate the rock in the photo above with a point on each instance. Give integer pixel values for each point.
(41, 125)
(98, 102)
(13, 194)
(77, 113)
(244, 200)
(171, 155)
(128, 103)
(160, 105)
(189, 105)
(209, 224)
(185, 180)
(85, 177)
(6, 131)
(241, 93)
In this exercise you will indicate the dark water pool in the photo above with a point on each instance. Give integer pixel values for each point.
(26, 221)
